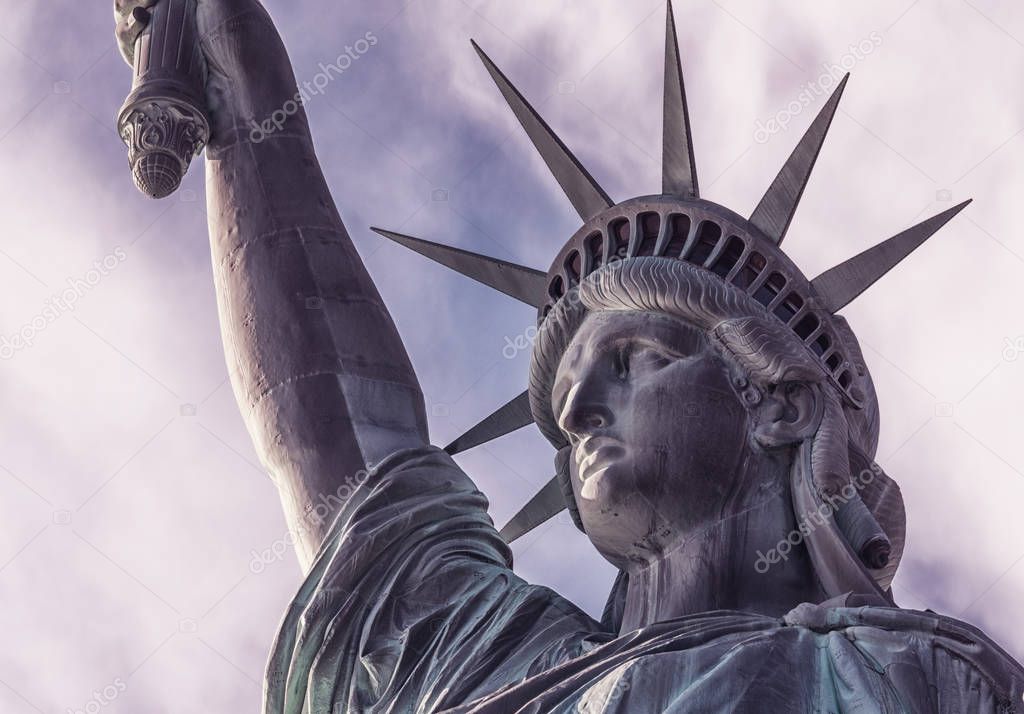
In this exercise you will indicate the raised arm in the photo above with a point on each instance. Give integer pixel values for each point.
(321, 376)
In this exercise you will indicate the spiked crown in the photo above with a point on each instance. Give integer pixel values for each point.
(745, 253)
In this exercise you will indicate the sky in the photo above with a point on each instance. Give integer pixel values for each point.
(144, 560)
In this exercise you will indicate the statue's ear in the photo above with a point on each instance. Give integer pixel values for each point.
(788, 413)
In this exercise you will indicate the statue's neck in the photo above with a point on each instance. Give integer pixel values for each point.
(724, 566)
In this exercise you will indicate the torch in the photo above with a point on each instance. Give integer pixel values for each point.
(163, 121)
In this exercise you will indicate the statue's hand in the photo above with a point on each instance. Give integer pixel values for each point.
(131, 17)
(249, 75)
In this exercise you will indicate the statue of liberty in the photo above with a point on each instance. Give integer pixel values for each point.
(713, 417)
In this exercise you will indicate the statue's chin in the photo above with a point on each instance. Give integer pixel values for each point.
(607, 485)
(608, 500)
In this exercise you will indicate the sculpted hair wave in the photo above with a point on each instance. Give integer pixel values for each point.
(739, 326)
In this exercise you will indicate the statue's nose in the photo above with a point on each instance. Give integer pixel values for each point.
(586, 409)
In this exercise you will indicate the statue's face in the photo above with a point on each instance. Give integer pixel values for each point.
(659, 436)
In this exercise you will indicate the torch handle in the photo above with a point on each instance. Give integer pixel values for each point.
(164, 120)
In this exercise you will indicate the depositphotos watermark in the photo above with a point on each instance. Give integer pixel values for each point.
(101, 698)
(525, 339)
(316, 515)
(810, 522)
(60, 304)
(311, 88)
(1013, 348)
(826, 81)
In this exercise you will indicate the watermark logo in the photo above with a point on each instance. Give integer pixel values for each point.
(1013, 348)
(59, 305)
(813, 520)
(826, 81)
(317, 514)
(101, 698)
(524, 340)
(259, 131)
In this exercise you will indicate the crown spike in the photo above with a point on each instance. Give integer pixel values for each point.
(586, 196)
(545, 505)
(840, 285)
(504, 420)
(679, 169)
(524, 284)
(775, 211)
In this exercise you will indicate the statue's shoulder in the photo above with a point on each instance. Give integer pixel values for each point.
(923, 654)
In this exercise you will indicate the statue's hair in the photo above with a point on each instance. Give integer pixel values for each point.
(739, 326)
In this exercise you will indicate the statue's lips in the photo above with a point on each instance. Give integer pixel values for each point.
(595, 454)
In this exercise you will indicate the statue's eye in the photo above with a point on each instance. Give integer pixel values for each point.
(620, 359)
(649, 358)
(636, 358)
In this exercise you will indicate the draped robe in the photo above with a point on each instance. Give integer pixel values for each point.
(412, 606)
